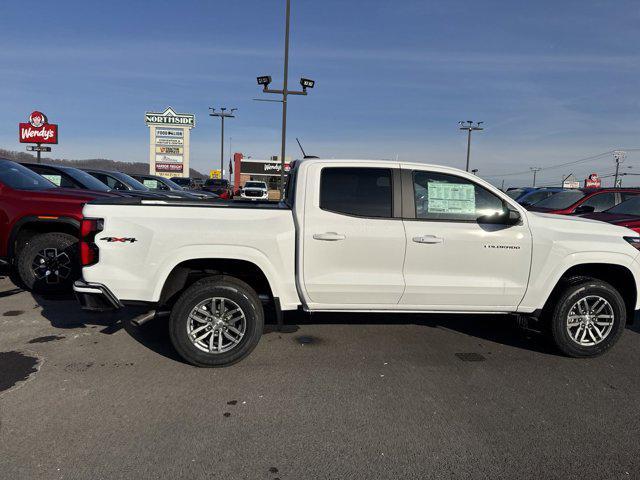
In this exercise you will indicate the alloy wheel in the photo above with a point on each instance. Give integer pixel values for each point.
(52, 265)
(590, 320)
(216, 325)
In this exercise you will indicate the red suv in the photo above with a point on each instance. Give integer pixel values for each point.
(583, 200)
(39, 225)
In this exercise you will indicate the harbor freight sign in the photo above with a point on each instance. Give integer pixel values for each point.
(169, 142)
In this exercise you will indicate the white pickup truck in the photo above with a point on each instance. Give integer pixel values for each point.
(358, 235)
(255, 190)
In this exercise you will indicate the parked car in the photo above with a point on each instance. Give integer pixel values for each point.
(583, 200)
(625, 214)
(122, 182)
(219, 186)
(530, 195)
(188, 183)
(255, 191)
(40, 228)
(356, 235)
(67, 177)
(160, 184)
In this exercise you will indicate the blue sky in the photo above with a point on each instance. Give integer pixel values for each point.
(553, 81)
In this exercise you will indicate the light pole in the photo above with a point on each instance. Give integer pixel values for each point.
(265, 80)
(222, 114)
(619, 157)
(469, 127)
(535, 170)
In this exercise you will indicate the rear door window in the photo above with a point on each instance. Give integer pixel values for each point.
(363, 192)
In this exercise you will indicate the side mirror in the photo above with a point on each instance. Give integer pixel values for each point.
(508, 216)
(584, 209)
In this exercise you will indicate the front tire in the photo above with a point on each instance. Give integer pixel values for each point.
(216, 322)
(49, 263)
(588, 318)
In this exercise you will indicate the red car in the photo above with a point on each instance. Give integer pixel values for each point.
(39, 226)
(626, 214)
(583, 200)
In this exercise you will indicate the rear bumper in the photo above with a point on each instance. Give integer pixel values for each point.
(94, 296)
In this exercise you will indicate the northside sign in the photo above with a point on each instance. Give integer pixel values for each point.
(170, 117)
(38, 130)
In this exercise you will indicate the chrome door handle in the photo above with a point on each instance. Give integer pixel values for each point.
(329, 236)
(428, 239)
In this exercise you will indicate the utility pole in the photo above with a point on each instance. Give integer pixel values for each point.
(469, 127)
(535, 170)
(265, 80)
(618, 156)
(222, 114)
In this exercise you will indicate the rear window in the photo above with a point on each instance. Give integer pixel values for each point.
(255, 185)
(364, 192)
(16, 176)
(561, 200)
(628, 207)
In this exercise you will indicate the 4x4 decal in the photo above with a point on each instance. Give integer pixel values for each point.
(119, 239)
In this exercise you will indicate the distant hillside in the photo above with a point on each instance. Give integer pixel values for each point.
(99, 163)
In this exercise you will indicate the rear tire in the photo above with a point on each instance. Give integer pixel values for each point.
(216, 322)
(588, 318)
(49, 263)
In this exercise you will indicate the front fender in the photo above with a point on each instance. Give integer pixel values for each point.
(542, 283)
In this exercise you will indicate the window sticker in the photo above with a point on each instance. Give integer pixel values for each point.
(150, 183)
(454, 198)
(55, 179)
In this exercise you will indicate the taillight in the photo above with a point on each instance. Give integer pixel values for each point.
(89, 253)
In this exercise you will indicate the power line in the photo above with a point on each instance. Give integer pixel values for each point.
(573, 162)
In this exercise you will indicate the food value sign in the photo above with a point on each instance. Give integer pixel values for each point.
(38, 130)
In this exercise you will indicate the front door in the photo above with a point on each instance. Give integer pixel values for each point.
(353, 242)
(456, 259)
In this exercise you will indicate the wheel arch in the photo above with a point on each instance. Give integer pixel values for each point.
(187, 272)
(27, 227)
(619, 276)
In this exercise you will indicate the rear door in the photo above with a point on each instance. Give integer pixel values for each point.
(353, 236)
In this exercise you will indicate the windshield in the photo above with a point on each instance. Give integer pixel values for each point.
(561, 200)
(171, 184)
(255, 185)
(515, 193)
(536, 196)
(88, 181)
(21, 178)
(629, 207)
(129, 180)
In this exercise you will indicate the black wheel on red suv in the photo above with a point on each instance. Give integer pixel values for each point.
(48, 263)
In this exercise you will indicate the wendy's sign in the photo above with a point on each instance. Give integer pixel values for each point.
(38, 130)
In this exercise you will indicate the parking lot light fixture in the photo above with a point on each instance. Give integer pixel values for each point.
(470, 127)
(222, 114)
(265, 80)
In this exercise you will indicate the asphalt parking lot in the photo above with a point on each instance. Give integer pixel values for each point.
(334, 396)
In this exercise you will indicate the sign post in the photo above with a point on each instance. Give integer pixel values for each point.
(38, 130)
(169, 142)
